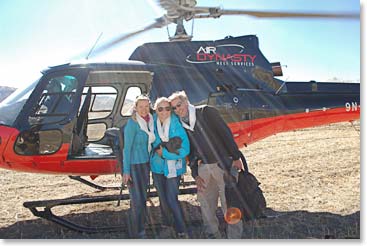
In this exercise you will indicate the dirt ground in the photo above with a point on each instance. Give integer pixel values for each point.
(310, 179)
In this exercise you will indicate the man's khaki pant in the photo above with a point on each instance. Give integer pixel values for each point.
(208, 199)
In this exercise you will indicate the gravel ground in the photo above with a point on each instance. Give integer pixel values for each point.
(310, 178)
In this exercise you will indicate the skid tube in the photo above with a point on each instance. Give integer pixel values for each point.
(93, 185)
(47, 205)
(103, 188)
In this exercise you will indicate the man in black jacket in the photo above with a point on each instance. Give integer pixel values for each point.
(213, 155)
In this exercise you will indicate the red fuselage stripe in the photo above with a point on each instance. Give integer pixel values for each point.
(250, 131)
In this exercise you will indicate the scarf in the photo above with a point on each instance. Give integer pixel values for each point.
(146, 118)
(192, 118)
(144, 126)
(163, 129)
(163, 132)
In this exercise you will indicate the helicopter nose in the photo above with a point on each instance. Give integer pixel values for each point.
(5, 134)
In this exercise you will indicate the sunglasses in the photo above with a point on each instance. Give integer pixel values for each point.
(178, 105)
(160, 109)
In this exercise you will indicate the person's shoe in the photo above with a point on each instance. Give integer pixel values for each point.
(216, 235)
(166, 232)
(142, 235)
(182, 235)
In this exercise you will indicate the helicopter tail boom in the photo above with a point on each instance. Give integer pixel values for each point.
(248, 132)
(299, 105)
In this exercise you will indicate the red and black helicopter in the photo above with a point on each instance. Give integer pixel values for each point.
(61, 123)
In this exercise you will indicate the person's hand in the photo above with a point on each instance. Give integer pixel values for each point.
(238, 164)
(126, 179)
(200, 183)
(160, 151)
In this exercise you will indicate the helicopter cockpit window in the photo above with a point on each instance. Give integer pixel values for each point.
(38, 142)
(57, 99)
(102, 101)
(131, 94)
(12, 105)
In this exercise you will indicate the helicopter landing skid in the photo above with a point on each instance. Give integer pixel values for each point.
(102, 188)
(93, 185)
(43, 209)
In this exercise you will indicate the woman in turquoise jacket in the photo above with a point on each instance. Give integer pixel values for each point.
(168, 167)
(138, 138)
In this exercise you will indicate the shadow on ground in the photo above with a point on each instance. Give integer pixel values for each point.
(277, 225)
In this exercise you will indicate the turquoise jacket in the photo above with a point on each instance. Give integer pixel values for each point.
(135, 146)
(157, 163)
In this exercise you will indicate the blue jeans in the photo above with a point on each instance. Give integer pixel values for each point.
(138, 197)
(168, 190)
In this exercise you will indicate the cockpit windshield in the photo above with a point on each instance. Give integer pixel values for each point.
(12, 105)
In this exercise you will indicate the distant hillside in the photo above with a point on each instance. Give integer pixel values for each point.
(5, 91)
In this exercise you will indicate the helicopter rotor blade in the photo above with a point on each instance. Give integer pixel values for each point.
(159, 22)
(189, 10)
(277, 14)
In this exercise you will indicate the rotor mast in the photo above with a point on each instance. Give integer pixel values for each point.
(178, 15)
(180, 34)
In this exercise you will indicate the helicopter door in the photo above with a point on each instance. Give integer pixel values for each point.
(47, 116)
(113, 93)
(235, 109)
(110, 105)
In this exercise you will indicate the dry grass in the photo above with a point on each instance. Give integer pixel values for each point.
(310, 178)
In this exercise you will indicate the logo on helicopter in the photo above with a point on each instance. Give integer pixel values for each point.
(223, 55)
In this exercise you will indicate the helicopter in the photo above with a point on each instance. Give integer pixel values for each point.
(62, 123)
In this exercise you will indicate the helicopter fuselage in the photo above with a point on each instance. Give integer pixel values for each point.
(63, 131)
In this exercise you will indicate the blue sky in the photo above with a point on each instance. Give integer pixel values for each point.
(35, 34)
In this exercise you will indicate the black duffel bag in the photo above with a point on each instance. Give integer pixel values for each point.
(246, 195)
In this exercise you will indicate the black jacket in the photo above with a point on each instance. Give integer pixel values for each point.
(211, 141)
